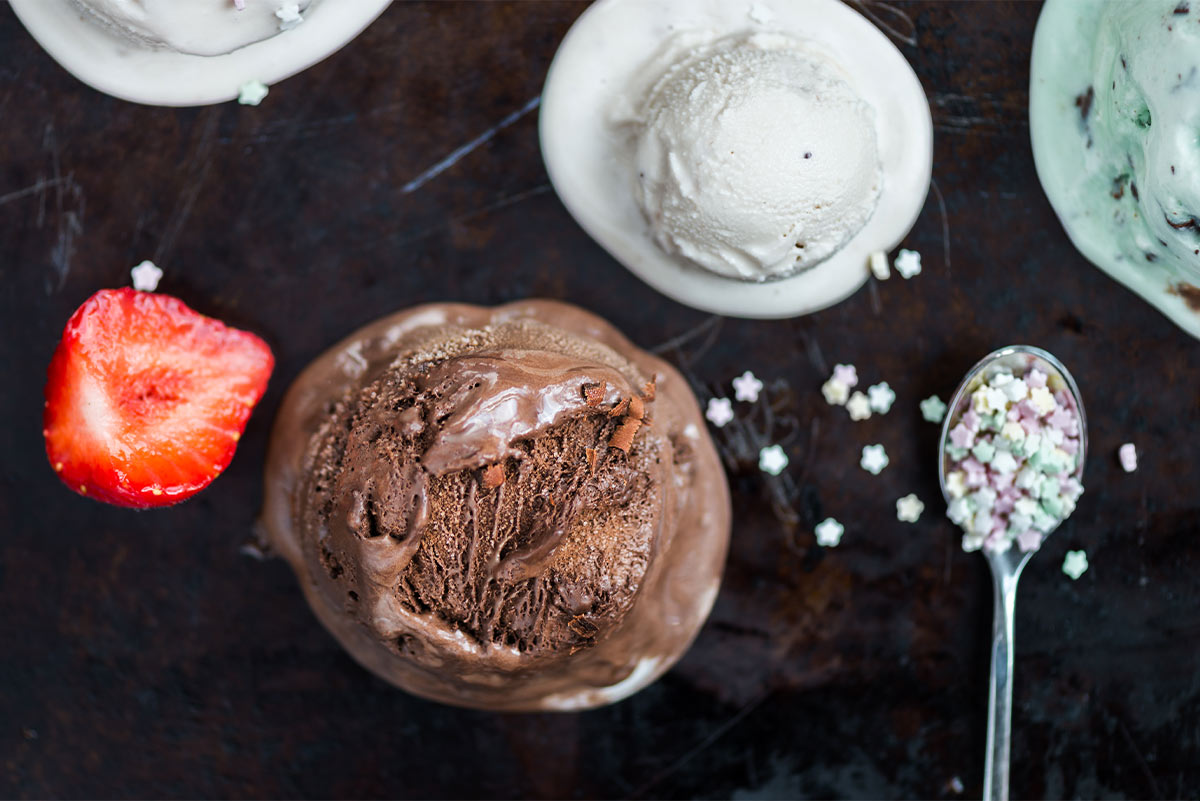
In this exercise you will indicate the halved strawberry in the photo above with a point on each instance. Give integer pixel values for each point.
(146, 398)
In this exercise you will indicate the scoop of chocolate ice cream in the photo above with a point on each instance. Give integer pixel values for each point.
(509, 509)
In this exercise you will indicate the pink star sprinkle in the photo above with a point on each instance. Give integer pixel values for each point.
(971, 420)
(976, 473)
(1064, 421)
(240, 5)
(846, 373)
(961, 436)
(1036, 379)
(1029, 540)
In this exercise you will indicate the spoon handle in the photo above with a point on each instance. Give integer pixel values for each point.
(999, 736)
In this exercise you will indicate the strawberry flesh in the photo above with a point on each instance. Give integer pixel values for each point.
(146, 399)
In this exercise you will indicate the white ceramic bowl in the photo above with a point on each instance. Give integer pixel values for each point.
(159, 77)
(590, 162)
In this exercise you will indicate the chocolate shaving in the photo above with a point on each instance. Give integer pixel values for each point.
(493, 476)
(650, 390)
(620, 409)
(1182, 8)
(637, 408)
(1190, 222)
(583, 627)
(594, 393)
(622, 438)
(1084, 102)
(1189, 294)
(1118, 190)
(590, 453)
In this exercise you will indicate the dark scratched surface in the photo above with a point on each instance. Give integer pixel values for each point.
(142, 654)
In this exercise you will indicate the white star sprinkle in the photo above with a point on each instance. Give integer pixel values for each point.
(719, 411)
(879, 265)
(858, 406)
(835, 392)
(908, 263)
(146, 276)
(252, 93)
(909, 508)
(829, 533)
(874, 459)
(1127, 453)
(882, 397)
(746, 387)
(772, 460)
(1075, 564)
(289, 16)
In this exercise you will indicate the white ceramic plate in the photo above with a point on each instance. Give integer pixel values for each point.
(120, 68)
(589, 161)
(1060, 71)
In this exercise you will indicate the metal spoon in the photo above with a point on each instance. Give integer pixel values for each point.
(1007, 566)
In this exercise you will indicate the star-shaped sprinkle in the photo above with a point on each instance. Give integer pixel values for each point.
(879, 265)
(1075, 564)
(1029, 540)
(956, 484)
(829, 532)
(772, 460)
(719, 411)
(908, 263)
(961, 436)
(146, 276)
(858, 406)
(846, 373)
(289, 16)
(909, 508)
(874, 459)
(1128, 456)
(252, 93)
(835, 392)
(933, 409)
(882, 397)
(746, 387)
(1042, 401)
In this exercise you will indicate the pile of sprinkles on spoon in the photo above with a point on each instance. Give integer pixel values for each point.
(1012, 460)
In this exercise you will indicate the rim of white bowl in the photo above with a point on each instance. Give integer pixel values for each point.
(113, 65)
(583, 152)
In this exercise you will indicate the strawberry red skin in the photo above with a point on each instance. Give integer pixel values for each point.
(146, 398)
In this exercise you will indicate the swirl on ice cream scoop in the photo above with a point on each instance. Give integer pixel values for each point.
(755, 158)
(196, 27)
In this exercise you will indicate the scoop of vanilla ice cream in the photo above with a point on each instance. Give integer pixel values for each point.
(197, 27)
(755, 159)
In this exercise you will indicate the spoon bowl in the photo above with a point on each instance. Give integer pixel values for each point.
(1006, 565)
